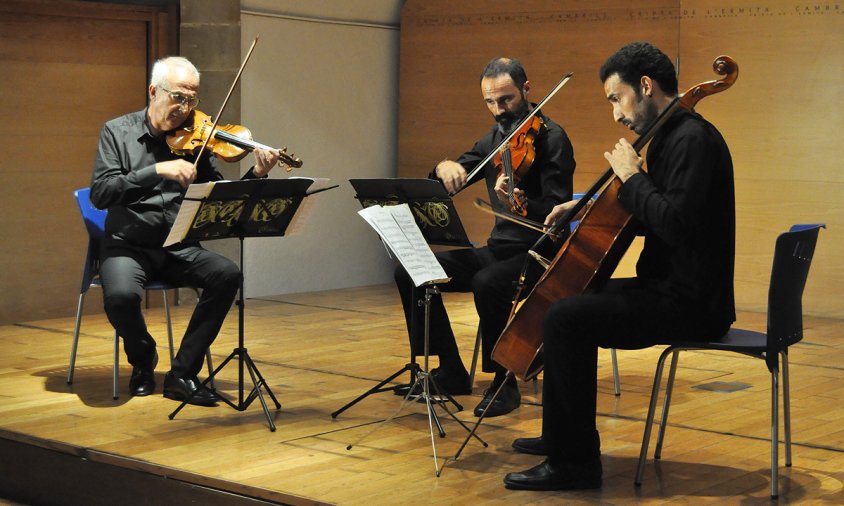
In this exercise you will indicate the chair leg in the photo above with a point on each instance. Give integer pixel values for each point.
(115, 392)
(615, 379)
(169, 326)
(646, 438)
(75, 342)
(669, 388)
(786, 408)
(475, 359)
(774, 431)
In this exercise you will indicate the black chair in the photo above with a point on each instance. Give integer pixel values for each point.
(792, 258)
(95, 223)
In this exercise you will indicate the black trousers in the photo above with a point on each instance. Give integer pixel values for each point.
(626, 314)
(125, 269)
(491, 275)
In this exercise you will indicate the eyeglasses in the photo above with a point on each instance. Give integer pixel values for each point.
(182, 99)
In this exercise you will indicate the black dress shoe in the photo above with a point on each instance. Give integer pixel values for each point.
(547, 476)
(530, 445)
(142, 381)
(508, 400)
(448, 382)
(180, 389)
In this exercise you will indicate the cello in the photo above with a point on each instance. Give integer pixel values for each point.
(591, 253)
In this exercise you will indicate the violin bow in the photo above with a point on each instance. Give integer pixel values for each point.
(533, 225)
(522, 123)
(225, 102)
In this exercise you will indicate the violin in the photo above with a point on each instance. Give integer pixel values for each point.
(230, 142)
(514, 159)
(519, 129)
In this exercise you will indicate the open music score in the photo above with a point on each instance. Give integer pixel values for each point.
(405, 242)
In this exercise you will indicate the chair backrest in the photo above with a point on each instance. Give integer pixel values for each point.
(95, 225)
(94, 218)
(792, 258)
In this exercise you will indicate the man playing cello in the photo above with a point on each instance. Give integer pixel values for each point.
(684, 285)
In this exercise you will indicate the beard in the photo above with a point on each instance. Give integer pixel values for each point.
(508, 120)
(645, 114)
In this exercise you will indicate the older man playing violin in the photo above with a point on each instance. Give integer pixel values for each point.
(490, 272)
(141, 183)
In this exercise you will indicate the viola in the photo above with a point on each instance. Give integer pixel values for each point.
(525, 121)
(229, 142)
(591, 253)
(514, 159)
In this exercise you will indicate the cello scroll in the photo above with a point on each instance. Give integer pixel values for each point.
(723, 66)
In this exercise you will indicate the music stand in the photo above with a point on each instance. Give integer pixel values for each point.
(429, 201)
(437, 219)
(239, 209)
(398, 230)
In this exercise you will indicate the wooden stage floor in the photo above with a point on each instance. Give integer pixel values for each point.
(318, 351)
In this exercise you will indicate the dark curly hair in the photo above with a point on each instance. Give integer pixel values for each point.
(639, 59)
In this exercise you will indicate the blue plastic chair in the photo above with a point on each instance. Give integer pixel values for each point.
(792, 257)
(95, 224)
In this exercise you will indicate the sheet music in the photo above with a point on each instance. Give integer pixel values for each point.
(398, 230)
(190, 204)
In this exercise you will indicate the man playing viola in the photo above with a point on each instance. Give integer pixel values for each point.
(141, 183)
(490, 272)
(684, 285)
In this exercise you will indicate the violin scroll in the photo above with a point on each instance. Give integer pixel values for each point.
(289, 162)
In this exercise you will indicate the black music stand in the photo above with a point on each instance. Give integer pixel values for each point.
(435, 214)
(429, 201)
(240, 209)
(401, 235)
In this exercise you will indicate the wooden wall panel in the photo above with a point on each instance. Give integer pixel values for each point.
(782, 124)
(779, 118)
(445, 46)
(68, 67)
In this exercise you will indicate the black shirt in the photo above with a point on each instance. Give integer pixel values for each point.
(546, 184)
(141, 205)
(686, 203)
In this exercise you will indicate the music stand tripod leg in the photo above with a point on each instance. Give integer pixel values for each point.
(412, 367)
(481, 418)
(421, 379)
(430, 290)
(243, 359)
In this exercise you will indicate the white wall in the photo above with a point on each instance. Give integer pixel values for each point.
(323, 81)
